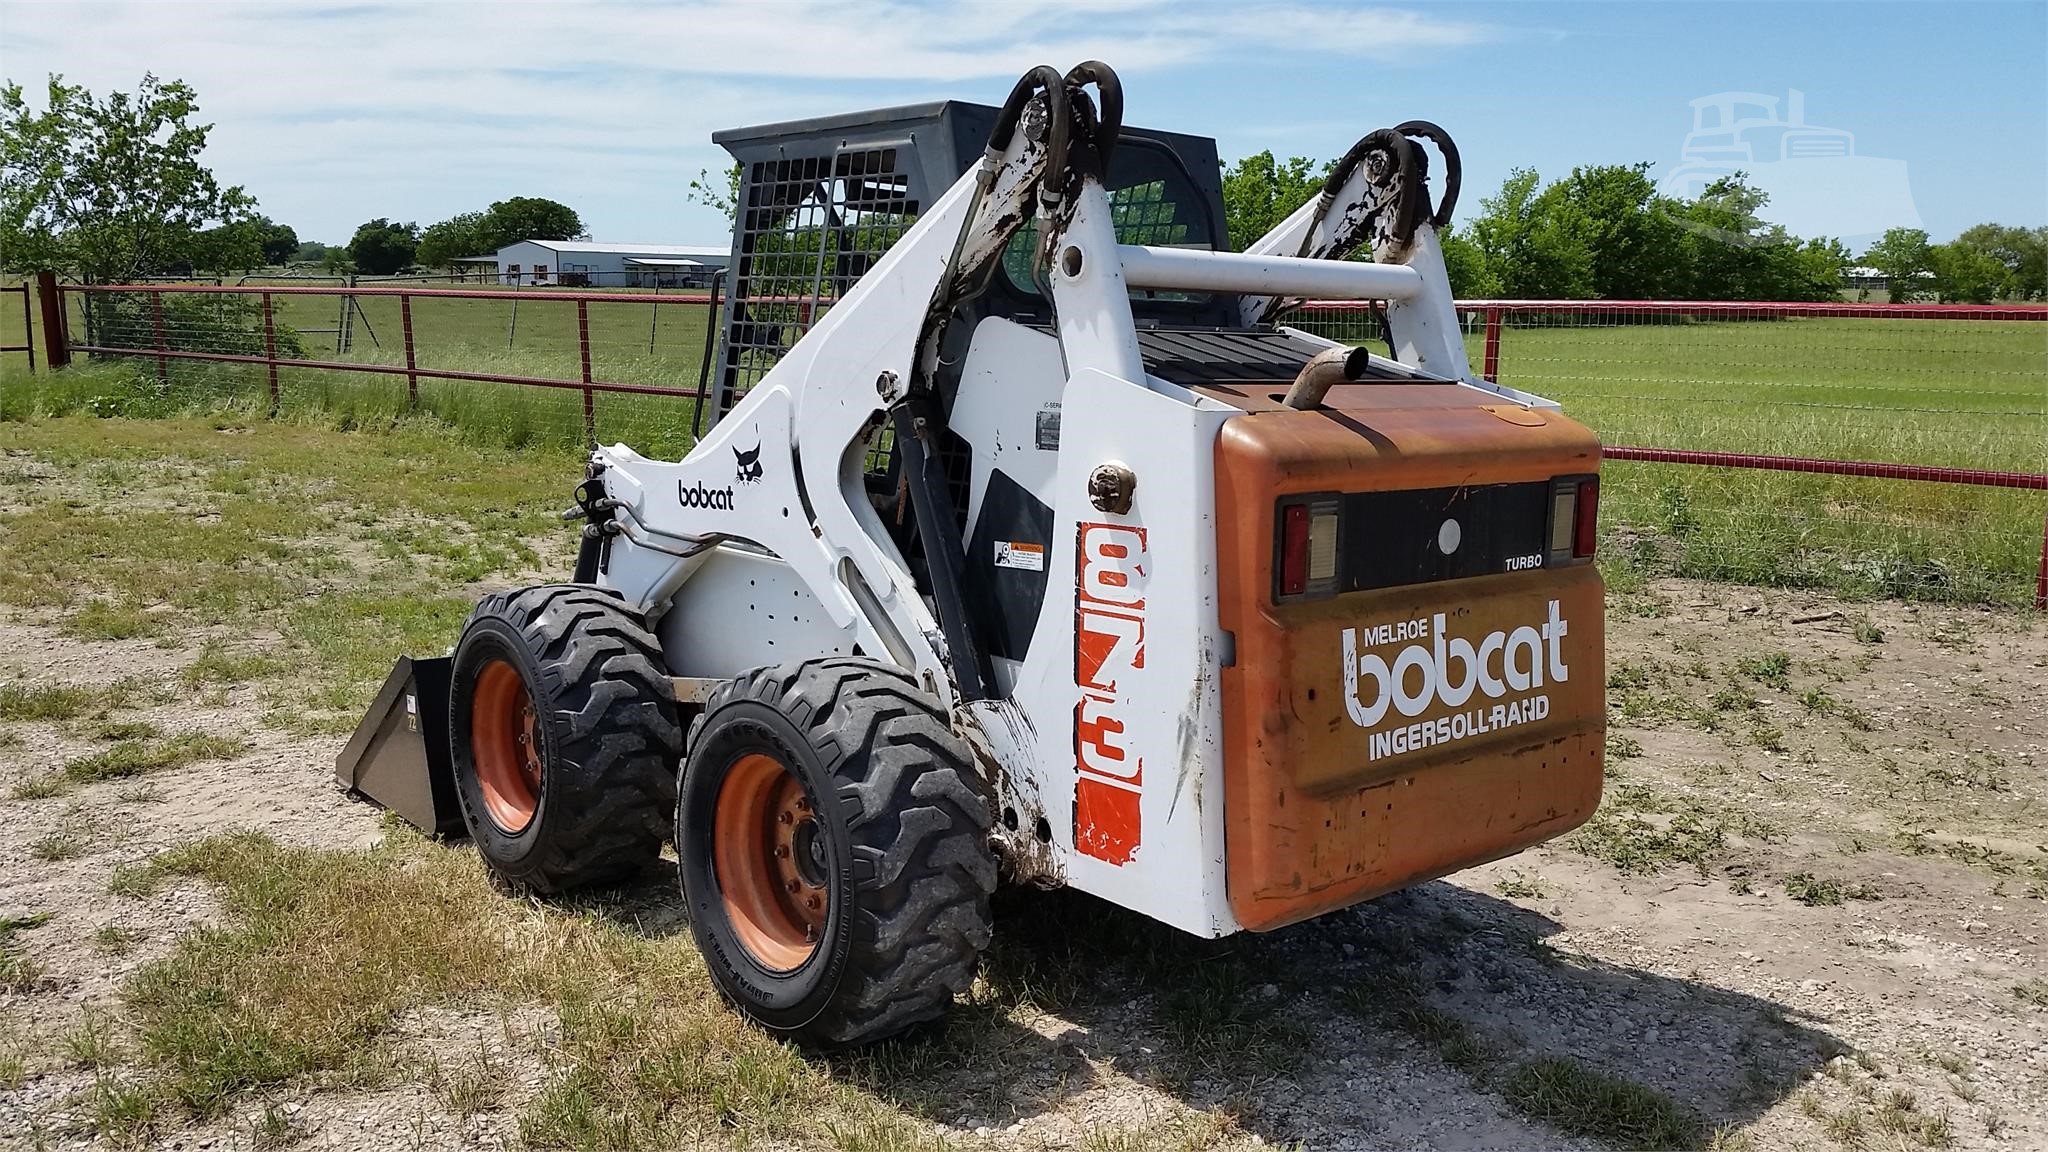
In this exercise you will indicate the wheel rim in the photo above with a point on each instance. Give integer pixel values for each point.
(769, 855)
(504, 737)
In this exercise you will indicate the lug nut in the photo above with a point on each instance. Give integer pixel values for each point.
(791, 885)
(784, 818)
(782, 851)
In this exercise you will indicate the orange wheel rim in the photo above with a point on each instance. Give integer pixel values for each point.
(504, 736)
(768, 851)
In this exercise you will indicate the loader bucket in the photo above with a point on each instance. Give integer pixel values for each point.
(398, 756)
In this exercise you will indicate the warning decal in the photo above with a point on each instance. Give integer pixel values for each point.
(1020, 554)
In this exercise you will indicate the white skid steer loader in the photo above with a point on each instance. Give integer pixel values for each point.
(1027, 542)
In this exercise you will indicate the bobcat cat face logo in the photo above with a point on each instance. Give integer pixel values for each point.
(749, 465)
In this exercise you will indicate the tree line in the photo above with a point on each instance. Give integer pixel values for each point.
(114, 188)
(1606, 232)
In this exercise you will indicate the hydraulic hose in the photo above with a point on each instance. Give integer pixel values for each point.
(1059, 121)
(1109, 112)
(1454, 169)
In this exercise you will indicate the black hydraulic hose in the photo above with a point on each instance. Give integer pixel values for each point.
(1454, 169)
(1411, 174)
(1059, 117)
(1109, 112)
(1385, 139)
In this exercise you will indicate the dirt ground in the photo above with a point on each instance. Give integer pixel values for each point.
(1811, 914)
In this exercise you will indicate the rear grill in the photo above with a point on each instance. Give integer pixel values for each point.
(1420, 536)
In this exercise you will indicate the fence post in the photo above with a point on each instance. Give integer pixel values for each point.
(344, 328)
(589, 399)
(412, 379)
(2041, 581)
(163, 365)
(56, 336)
(1492, 368)
(28, 329)
(270, 350)
(711, 318)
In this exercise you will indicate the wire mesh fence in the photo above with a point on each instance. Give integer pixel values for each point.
(1949, 387)
(512, 367)
(1702, 405)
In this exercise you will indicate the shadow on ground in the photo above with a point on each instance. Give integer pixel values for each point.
(1437, 1000)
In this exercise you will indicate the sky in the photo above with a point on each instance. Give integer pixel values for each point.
(331, 114)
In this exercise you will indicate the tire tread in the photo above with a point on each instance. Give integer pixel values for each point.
(919, 819)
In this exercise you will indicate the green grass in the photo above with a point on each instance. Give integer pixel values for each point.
(352, 547)
(632, 342)
(18, 973)
(320, 954)
(1971, 394)
(1641, 831)
(133, 757)
(20, 700)
(1585, 1102)
(1825, 892)
(1962, 393)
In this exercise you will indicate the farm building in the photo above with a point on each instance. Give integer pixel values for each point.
(576, 263)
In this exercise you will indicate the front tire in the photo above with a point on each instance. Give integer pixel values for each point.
(564, 736)
(832, 834)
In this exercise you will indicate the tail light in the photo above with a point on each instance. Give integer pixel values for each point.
(1294, 550)
(1574, 518)
(1308, 548)
(1586, 520)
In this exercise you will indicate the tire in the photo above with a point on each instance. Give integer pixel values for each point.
(887, 908)
(576, 788)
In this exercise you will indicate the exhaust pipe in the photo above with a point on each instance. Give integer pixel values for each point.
(1329, 367)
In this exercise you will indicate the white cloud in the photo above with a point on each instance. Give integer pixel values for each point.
(330, 115)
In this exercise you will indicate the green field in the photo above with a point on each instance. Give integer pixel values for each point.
(1970, 394)
(1956, 393)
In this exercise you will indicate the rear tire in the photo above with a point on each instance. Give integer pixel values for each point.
(864, 911)
(564, 738)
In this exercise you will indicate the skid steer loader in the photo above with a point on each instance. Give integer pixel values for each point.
(1029, 540)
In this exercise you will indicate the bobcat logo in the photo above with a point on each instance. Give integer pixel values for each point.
(749, 465)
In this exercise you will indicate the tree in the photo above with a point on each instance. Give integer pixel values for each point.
(1734, 254)
(279, 241)
(531, 218)
(1259, 192)
(706, 189)
(109, 189)
(1966, 274)
(467, 234)
(381, 247)
(1902, 254)
(1465, 265)
(2022, 252)
(223, 249)
(505, 222)
(1634, 243)
(1535, 248)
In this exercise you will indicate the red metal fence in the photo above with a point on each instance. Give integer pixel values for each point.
(1885, 449)
(1899, 438)
(28, 337)
(560, 341)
